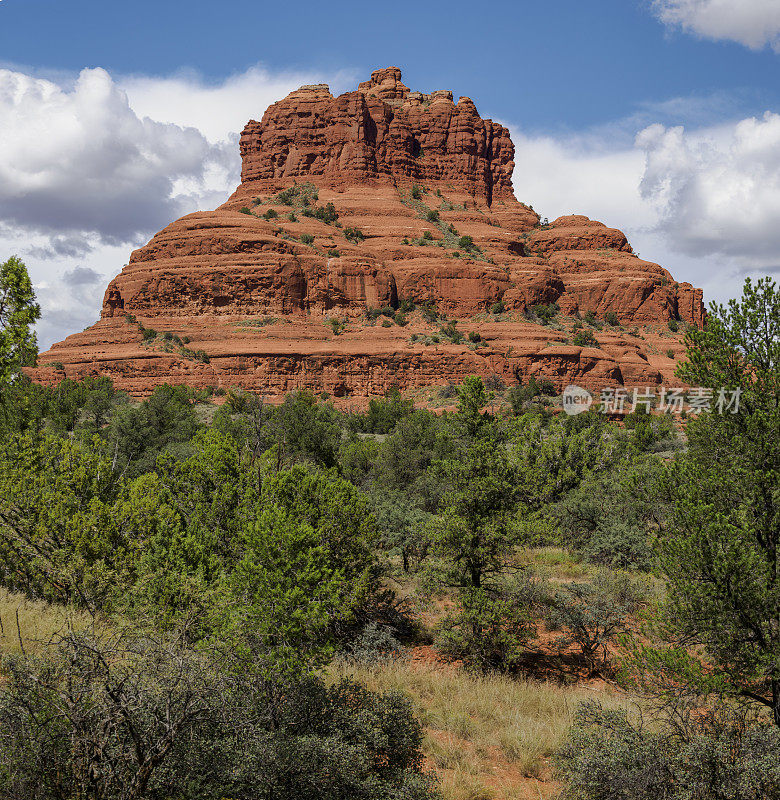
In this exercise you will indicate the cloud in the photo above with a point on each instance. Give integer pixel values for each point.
(753, 23)
(81, 276)
(717, 191)
(219, 111)
(93, 165)
(703, 202)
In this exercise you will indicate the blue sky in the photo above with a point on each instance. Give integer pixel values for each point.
(661, 117)
(555, 64)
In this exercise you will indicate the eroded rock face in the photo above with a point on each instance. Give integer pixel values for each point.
(422, 189)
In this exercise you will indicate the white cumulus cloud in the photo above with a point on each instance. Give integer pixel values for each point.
(92, 166)
(753, 23)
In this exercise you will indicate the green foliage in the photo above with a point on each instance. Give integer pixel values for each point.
(244, 210)
(384, 414)
(270, 214)
(585, 338)
(610, 757)
(334, 253)
(58, 536)
(432, 216)
(590, 317)
(466, 243)
(146, 717)
(474, 337)
(545, 313)
(416, 193)
(307, 238)
(336, 325)
(354, 235)
(592, 615)
(138, 434)
(720, 548)
(611, 318)
(674, 326)
(497, 308)
(18, 313)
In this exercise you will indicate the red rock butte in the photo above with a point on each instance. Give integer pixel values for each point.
(376, 199)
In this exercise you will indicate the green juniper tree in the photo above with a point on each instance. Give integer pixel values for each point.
(721, 548)
(18, 313)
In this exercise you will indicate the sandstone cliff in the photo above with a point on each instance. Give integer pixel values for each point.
(378, 198)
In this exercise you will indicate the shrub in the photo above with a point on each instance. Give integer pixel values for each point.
(270, 214)
(497, 308)
(416, 193)
(58, 365)
(406, 306)
(592, 615)
(334, 253)
(387, 311)
(474, 337)
(427, 235)
(429, 312)
(400, 318)
(386, 323)
(258, 201)
(670, 353)
(619, 545)
(674, 325)
(404, 240)
(307, 238)
(610, 757)
(149, 334)
(432, 216)
(585, 338)
(466, 243)
(244, 210)
(611, 318)
(326, 214)
(545, 313)
(494, 383)
(336, 325)
(590, 318)
(452, 333)
(292, 217)
(354, 235)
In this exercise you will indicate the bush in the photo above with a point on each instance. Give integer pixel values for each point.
(466, 243)
(416, 193)
(307, 238)
(387, 311)
(400, 318)
(590, 318)
(494, 383)
(585, 338)
(427, 236)
(474, 337)
(670, 353)
(489, 631)
(611, 318)
(244, 210)
(619, 545)
(610, 757)
(354, 235)
(145, 718)
(673, 325)
(545, 313)
(270, 214)
(593, 614)
(497, 308)
(292, 217)
(334, 253)
(386, 323)
(336, 325)
(432, 216)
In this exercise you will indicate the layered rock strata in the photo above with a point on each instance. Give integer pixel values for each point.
(378, 198)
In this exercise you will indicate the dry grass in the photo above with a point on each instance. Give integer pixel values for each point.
(35, 621)
(489, 737)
